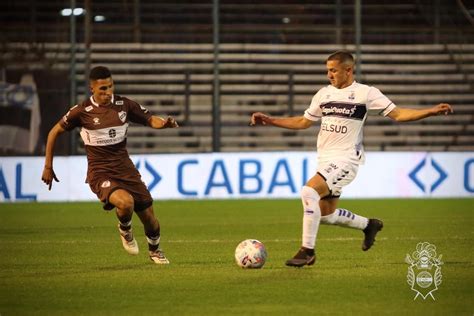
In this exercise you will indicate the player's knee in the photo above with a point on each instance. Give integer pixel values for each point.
(142, 206)
(123, 200)
(127, 202)
(309, 193)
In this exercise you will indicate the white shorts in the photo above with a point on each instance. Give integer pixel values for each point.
(337, 175)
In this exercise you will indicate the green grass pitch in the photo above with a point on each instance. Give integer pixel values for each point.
(67, 259)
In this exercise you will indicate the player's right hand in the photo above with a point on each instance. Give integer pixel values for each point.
(443, 108)
(48, 176)
(259, 118)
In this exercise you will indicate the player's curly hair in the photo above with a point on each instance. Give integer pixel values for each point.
(99, 72)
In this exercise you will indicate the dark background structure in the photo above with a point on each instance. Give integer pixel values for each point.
(270, 58)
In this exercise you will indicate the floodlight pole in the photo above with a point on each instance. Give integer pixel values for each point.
(437, 23)
(137, 33)
(358, 33)
(72, 70)
(87, 44)
(338, 22)
(216, 116)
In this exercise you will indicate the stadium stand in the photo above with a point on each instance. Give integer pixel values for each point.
(272, 67)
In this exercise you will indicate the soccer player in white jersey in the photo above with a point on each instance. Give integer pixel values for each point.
(342, 107)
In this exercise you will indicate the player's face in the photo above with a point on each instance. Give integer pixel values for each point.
(102, 90)
(339, 74)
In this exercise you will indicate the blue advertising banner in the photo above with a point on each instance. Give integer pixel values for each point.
(248, 175)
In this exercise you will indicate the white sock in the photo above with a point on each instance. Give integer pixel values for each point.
(154, 241)
(125, 226)
(311, 216)
(343, 217)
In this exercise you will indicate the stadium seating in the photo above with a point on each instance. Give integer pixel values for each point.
(268, 61)
(177, 80)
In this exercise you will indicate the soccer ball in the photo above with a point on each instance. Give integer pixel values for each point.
(250, 254)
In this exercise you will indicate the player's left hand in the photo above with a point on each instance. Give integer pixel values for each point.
(170, 123)
(442, 108)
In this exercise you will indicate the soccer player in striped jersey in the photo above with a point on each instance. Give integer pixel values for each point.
(342, 107)
(104, 119)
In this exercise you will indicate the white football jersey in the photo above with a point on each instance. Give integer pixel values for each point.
(343, 113)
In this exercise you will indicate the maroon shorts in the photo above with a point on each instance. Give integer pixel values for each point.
(103, 186)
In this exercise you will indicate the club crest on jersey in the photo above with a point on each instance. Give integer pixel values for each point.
(352, 96)
(89, 108)
(122, 116)
(105, 184)
(96, 121)
(119, 102)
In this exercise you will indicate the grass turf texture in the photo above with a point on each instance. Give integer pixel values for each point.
(67, 259)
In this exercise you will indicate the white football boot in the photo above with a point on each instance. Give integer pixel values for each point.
(128, 241)
(158, 257)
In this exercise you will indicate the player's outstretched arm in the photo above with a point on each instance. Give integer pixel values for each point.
(295, 122)
(48, 172)
(158, 122)
(408, 115)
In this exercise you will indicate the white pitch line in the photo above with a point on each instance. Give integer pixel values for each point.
(210, 241)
